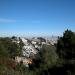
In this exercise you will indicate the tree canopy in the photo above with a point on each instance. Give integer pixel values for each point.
(66, 45)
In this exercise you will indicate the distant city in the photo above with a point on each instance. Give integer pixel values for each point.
(32, 46)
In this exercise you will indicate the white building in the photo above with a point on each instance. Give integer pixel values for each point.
(43, 43)
(25, 41)
(34, 42)
(27, 50)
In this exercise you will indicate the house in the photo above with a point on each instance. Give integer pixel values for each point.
(43, 43)
(25, 41)
(34, 42)
(26, 61)
(27, 50)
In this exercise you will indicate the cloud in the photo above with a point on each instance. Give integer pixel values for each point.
(6, 20)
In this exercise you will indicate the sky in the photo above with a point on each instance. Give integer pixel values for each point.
(36, 17)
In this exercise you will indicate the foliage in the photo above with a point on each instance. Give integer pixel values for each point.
(66, 45)
(9, 48)
(66, 51)
(45, 59)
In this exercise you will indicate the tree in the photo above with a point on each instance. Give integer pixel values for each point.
(45, 59)
(9, 48)
(66, 45)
